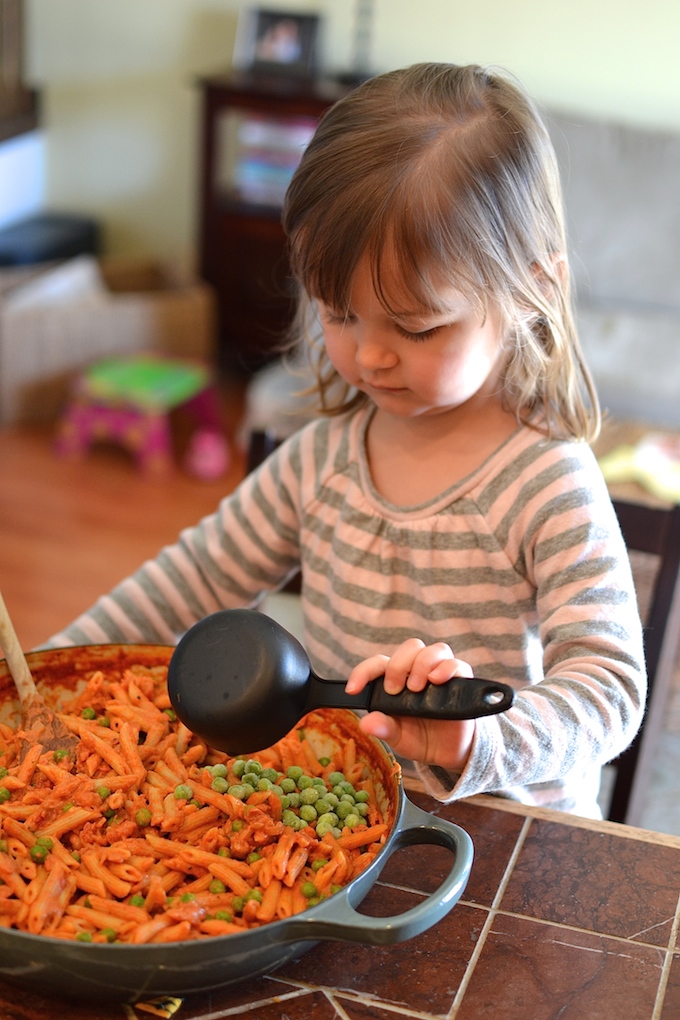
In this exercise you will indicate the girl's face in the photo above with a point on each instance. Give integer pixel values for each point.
(416, 362)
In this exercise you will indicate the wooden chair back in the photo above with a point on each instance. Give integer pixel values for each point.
(653, 532)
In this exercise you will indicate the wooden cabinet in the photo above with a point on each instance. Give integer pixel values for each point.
(253, 134)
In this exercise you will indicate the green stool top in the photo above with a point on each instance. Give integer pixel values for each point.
(145, 381)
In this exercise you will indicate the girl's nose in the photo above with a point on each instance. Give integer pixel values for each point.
(374, 352)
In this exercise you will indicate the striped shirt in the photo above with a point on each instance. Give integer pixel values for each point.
(520, 568)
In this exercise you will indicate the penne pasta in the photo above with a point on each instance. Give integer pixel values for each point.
(144, 834)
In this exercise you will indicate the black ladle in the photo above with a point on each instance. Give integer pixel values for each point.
(241, 682)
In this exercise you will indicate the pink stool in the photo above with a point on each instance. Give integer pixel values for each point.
(129, 400)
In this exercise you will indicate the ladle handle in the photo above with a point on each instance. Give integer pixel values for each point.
(459, 698)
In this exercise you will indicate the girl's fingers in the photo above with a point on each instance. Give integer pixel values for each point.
(401, 663)
(369, 669)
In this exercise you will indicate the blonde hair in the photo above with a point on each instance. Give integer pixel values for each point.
(453, 168)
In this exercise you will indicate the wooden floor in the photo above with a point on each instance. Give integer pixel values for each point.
(71, 530)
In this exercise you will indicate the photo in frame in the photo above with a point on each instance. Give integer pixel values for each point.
(277, 42)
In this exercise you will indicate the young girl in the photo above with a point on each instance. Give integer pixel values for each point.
(446, 512)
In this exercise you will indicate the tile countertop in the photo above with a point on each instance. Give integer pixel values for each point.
(562, 917)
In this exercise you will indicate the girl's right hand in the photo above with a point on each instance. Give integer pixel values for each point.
(442, 742)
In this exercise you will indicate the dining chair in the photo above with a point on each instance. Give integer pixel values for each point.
(261, 443)
(652, 536)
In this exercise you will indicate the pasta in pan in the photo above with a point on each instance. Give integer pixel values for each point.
(146, 835)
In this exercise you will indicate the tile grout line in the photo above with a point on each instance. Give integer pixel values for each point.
(493, 911)
(668, 960)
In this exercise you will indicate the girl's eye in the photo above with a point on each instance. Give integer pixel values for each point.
(423, 335)
(337, 319)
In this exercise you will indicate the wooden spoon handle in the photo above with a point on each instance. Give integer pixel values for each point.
(16, 660)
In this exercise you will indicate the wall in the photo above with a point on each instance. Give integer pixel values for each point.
(121, 107)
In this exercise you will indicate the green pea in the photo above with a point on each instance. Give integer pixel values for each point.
(187, 897)
(336, 777)
(318, 781)
(347, 798)
(219, 785)
(109, 813)
(183, 792)
(308, 889)
(289, 818)
(238, 767)
(254, 856)
(255, 894)
(331, 798)
(3, 772)
(362, 809)
(287, 785)
(343, 809)
(264, 784)
(237, 825)
(270, 774)
(308, 812)
(45, 841)
(3, 846)
(252, 765)
(224, 915)
(104, 721)
(224, 852)
(136, 901)
(294, 800)
(88, 713)
(361, 796)
(238, 791)
(237, 904)
(276, 789)
(219, 770)
(67, 806)
(309, 795)
(83, 936)
(316, 865)
(4, 794)
(38, 853)
(352, 820)
(324, 761)
(170, 714)
(322, 805)
(248, 788)
(109, 934)
(294, 772)
(304, 782)
(217, 887)
(323, 827)
(103, 792)
(329, 816)
(143, 817)
(75, 855)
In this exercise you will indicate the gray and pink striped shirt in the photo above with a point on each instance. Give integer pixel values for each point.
(520, 567)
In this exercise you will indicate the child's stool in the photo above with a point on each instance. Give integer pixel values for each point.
(129, 400)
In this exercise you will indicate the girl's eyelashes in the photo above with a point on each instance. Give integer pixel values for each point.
(421, 335)
(346, 318)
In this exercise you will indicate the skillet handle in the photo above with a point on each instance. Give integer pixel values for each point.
(336, 919)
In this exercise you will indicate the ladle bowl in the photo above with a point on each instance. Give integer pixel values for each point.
(241, 681)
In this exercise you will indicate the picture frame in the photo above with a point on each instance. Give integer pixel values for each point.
(277, 43)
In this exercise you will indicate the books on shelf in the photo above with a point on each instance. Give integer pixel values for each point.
(653, 462)
(261, 155)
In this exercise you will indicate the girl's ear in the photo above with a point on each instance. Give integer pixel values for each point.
(556, 268)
